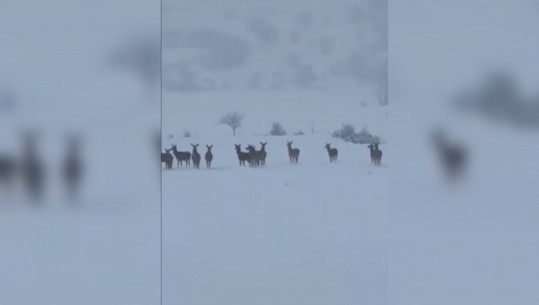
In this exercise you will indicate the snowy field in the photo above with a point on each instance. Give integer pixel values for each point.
(310, 233)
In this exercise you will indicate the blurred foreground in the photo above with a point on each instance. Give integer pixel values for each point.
(463, 191)
(79, 185)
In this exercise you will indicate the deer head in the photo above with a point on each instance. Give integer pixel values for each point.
(209, 147)
(328, 146)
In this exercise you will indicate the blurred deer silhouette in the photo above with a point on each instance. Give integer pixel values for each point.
(209, 156)
(293, 153)
(167, 158)
(242, 156)
(263, 153)
(32, 168)
(376, 154)
(195, 156)
(72, 167)
(8, 171)
(452, 155)
(181, 156)
(255, 156)
(332, 152)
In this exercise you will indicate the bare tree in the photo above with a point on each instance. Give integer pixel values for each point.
(233, 120)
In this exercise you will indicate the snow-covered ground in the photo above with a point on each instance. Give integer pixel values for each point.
(310, 233)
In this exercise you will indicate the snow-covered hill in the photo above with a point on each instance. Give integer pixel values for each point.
(213, 45)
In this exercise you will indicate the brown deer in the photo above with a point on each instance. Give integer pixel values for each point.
(242, 156)
(195, 156)
(332, 152)
(181, 156)
(209, 156)
(293, 153)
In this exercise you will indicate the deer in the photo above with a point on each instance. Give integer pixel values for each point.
(32, 168)
(72, 166)
(255, 156)
(8, 170)
(167, 158)
(263, 153)
(376, 154)
(242, 156)
(452, 155)
(332, 152)
(195, 156)
(293, 153)
(209, 156)
(371, 150)
(181, 156)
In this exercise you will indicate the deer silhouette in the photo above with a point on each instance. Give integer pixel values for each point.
(181, 156)
(376, 154)
(255, 156)
(371, 150)
(242, 156)
(332, 152)
(263, 153)
(167, 158)
(8, 170)
(209, 156)
(72, 167)
(293, 153)
(195, 156)
(32, 168)
(452, 155)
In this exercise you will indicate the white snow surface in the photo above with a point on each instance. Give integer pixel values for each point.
(309, 233)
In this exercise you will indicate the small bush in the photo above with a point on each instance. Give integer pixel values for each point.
(347, 133)
(277, 129)
(299, 133)
(186, 134)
